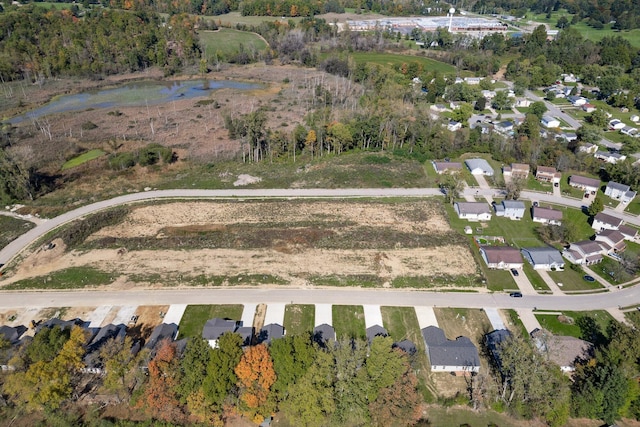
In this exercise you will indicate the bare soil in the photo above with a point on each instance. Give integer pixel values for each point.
(292, 253)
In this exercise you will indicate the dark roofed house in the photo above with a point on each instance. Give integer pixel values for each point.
(447, 167)
(544, 258)
(546, 215)
(459, 356)
(493, 341)
(612, 241)
(12, 333)
(62, 324)
(628, 232)
(246, 332)
(407, 346)
(584, 183)
(564, 351)
(584, 252)
(323, 333)
(375, 331)
(501, 257)
(92, 361)
(603, 221)
(214, 328)
(160, 333)
(271, 332)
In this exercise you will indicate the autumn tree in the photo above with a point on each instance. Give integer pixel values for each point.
(255, 377)
(221, 377)
(398, 404)
(122, 367)
(160, 399)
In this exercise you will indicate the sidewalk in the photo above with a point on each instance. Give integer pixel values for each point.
(528, 319)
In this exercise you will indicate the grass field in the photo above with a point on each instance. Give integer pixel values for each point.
(348, 321)
(232, 18)
(395, 61)
(573, 280)
(536, 281)
(551, 323)
(299, 318)
(195, 316)
(10, 228)
(227, 41)
(83, 158)
(69, 278)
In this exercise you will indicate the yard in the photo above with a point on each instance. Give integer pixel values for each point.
(538, 283)
(195, 316)
(348, 321)
(573, 280)
(551, 322)
(299, 318)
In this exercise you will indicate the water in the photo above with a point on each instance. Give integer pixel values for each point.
(131, 95)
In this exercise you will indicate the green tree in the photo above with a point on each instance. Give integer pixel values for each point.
(122, 368)
(292, 356)
(596, 206)
(598, 118)
(193, 367)
(502, 101)
(538, 109)
(599, 391)
(221, 377)
(349, 387)
(589, 134)
(383, 366)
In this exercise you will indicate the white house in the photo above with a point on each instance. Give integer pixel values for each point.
(584, 183)
(629, 233)
(550, 122)
(516, 170)
(629, 131)
(635, 118)
(473, 211)
(609, 157)
(620, 192)
(523, 102)
(616, 124)
(479, 167)
(544, 258)
(588, 147)
(603, 221)
(584, 252)
(611, 241)
(459, 356)
(546, 215)
(589, 108)
(454, 126)
(577, 101)
(548, 174)
(501, 257)
(513, 209)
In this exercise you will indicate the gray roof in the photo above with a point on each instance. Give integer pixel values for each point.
(324, 332)
(618, 186)
(444, 352)
(608, 219)
(543, 255)
(246, 332)
(443, 166)
(271, 332)
(161, 332)
(473, 207)
(627, 230)
(12, 334)
(547, 213)
(374, 331)
(493, 341)
(583, 180)
(407, 346)
(104, 334)
(214, 328)
(513, 204)
(479, 164)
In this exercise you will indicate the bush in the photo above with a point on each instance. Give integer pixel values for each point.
(88, 126)
(121, 161)
(79, 230)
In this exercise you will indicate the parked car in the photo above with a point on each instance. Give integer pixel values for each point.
(514, 272)
(515, 294)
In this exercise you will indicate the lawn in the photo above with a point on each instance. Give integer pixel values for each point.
(533, 184)
(633, 317)
(551, 323)
(227, 41)
(580, 220)
(538, 283)
(634, 207)
(608, 270)
(401, 323)
(195, 316)
(461, 416)
(10, 228)
(395, 61)
(515, 324)
(468, 322)
(82, 158)
(573, 280)
(299, 318)
(348, 321)
(69, 278)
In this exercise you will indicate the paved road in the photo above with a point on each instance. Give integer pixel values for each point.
(401, 298)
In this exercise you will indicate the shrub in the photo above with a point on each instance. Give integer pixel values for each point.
(121, 161)
(88, 126)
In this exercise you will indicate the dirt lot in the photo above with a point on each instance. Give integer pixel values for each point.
(172, 243)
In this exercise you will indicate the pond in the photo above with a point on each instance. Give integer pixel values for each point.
(133, 94)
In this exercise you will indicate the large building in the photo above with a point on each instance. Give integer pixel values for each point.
(455, 24)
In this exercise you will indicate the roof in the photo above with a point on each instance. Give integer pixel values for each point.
(608, 219)
(523, 167)
(473, 207)
(162, 331)
(271, 332)
(478, 164)
(12, 334)
(406, 345)
(493, 341)
(324, 332)
(513, 204)
(104, 334)
(617, 186)
(214, 328)
(375, 331)
(547, 213)
(63, 324)
(561, 350)
(443, 166)
(613, 235)
(444, 352)
(543, 255)
(504, 254)
(584, 181)
(627, 230)
(246, 332)
(588, 247)
(546, 169)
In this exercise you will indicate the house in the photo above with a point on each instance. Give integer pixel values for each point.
(473, 211)
(544, 258)
(493, 343)
(246, 333)
(587, 147)
(629, 233)
(12, 334)
(550, 122)
(407, 346)
(523, 102)
(546, 215)
(568, 136)
(454, 126)
(516, 170)
(479, 167)
(589, 108)
(161, 332)
(620, 192)
(635, 118)
(577, 101)
(62, 324)
(548, 174)
(270, 332)
(485, 128)
(513, 209)
(609, 156)
(501, 257)
(447, 167)
(473, 80)
(505, 127)
(629, 131)
(585, 252)
(92, 361)
(459, 356)
(569, 78)
(488, 94)
(214, 328)
(323, 334)
(603, 221)
(563, 351)
(375, 331)
(616, 124)
(584, 183)
(439, 108)
(611, 241)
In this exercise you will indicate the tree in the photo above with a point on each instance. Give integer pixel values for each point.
(221, 377)
(462, 113)
(383, 366)
(122, 368)
(193, 368)
(255, 377)
(589, 134)
(598, 118)
(502, 101)
(452, 186)
(292, 356)
(599, 391)
(160, 399)
(514, 187)
(481, 103)
(538, 109)
(563, 22)
(349, 387)
(399, 404)
(596, 206)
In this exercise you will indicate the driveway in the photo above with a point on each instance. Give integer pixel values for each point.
(372, 315)
(555, 289)
(528, 319)
(524, 284)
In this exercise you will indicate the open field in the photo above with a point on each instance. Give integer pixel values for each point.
(227, 41)
(10, 228)
(240, 243)
(348, 321)
(396, 61)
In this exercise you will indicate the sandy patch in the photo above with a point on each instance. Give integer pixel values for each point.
(245, 179)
